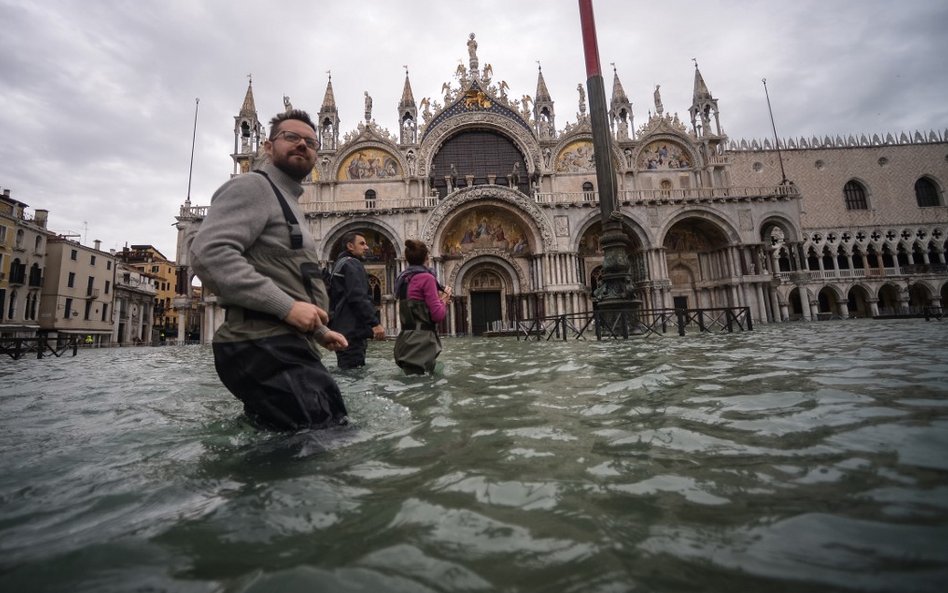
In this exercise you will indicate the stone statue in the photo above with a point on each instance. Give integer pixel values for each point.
(286, 103)
(659, 109)
(582, 98)
(368, 107)
(472, 52)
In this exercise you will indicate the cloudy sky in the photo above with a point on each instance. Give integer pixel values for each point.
(97, 97)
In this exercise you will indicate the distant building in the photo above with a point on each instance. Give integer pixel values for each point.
(78, 291)
(824, 227)
(151, 262)
(134, 307)
(23, 241)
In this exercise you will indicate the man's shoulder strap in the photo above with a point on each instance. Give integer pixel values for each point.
(296, 235)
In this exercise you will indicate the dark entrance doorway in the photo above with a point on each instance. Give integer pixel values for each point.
(485, 308)
(681, 302)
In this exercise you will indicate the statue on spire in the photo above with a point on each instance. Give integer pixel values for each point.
(659, 109)
(472, 52)
(368, 107)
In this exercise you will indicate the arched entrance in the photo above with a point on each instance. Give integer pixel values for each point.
(859, 302)
(489, 301)
(698, 264)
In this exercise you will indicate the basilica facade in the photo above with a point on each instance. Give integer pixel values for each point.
(807, 229)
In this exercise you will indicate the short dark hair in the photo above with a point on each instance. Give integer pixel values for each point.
(297, 114)
(415, 252)
(350, 237)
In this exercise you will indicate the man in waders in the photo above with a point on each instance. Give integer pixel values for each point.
(353, 313)
(254, 253)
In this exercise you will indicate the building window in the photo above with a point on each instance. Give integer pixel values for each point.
(19, 239)
(88, 310)
(105, 312)
(12, 308)
(588, 194)
(90, 285)
(855, 195)
(370, 198)
(3, 235)
(74, 255)
(38, 245)
(71, 281)
(68, 312)
(107, 283)
(926, 194)
(91, 260)
(108, 265)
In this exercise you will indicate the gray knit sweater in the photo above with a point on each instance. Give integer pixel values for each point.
(244, 213)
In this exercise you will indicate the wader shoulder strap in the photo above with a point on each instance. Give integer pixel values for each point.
(296, 235)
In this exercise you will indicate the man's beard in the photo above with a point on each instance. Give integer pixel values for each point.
(298, 170)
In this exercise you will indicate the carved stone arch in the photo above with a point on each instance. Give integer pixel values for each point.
(927, 285)
(629, 225)
(833, 289)
(499, 260)
(434, 225)
(774, 219)
(525, 141)
(343, 155)
(668, 136)
(705, 214)
(565, 140)
(347, 225)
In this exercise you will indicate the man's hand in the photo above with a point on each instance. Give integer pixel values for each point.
(333, 341)
(306, 317)
(378, 332)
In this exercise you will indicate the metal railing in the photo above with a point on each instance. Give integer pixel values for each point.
(635, 322)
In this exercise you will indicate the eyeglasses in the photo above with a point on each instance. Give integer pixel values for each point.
(294, 138)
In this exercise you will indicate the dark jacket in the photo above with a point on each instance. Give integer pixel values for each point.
(353, 312)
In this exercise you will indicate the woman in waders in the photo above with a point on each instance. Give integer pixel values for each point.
(420, 309)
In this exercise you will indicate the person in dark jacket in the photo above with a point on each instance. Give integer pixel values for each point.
(353, 314)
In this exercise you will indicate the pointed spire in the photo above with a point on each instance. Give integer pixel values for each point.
(701, 89)
(408, 99)
(618, 93)
(329, 100)
(249, 109)
(543, 94)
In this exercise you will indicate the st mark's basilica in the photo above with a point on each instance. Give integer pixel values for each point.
(825, 227)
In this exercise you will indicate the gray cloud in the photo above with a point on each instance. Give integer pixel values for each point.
(98, 98)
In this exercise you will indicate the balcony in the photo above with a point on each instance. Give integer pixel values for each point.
(93, 293)
(376, 205)
(634, 197)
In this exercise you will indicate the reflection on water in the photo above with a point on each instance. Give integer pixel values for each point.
(799, 457)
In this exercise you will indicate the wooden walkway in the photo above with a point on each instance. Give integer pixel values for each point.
(601, 325)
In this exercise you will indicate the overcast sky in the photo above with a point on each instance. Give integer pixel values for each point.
(97, 98)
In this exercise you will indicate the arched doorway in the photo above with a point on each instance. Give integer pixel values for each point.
(485, 292)
(486, 296)
(695, 253)
(859, 302)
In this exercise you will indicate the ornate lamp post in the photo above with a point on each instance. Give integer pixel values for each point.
(613, 293)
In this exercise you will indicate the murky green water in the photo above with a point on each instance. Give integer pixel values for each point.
(801, 457)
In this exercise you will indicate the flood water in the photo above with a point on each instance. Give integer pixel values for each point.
(802, 457)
